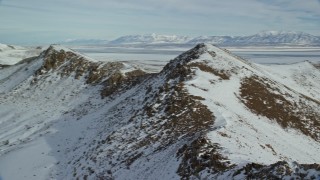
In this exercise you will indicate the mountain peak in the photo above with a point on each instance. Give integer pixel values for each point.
(207, 58)
(193, 54)
(58, 47)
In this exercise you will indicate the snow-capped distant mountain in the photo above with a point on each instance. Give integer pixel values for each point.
(207, 115)
(278, 38)
(211, 39)
(264, 38)
(151, 39)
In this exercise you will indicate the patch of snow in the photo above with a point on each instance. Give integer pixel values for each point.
(32, 162)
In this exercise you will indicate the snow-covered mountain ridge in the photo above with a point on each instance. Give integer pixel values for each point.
(150, 39)
(207, 114)
(262, 38)
(265, 38)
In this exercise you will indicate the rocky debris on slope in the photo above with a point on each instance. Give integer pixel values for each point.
(279, 170)
(199, 157)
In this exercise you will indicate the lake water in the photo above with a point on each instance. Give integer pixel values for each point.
(154, 58)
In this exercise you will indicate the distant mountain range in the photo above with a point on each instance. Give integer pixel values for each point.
(84, 41)
(262, 38)
(151, 39)
(265, 38)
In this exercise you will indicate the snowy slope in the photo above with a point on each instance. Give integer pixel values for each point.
(302, 77)
(245, 137)
(34, 97)
(10, 55)
(207, 114)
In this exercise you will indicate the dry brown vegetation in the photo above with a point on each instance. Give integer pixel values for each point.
(204, 67)
(184, 115)
(263, 98)
(108, 74)
(69, 62)
(210, 159)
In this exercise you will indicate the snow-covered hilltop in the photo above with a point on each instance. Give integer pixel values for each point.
(10, 54)
(207, 114)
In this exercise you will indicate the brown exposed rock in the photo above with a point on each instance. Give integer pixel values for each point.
(317, 65)
(3, 66)
(201, 155)
(279, 170)
(118, 81)
(177, 67)
(69, 63)
(97, 72)
(187, 114)
(204, 67)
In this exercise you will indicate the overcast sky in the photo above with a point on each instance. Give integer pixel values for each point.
(49, 21)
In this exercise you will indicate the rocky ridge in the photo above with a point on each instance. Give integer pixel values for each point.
(207, 114)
